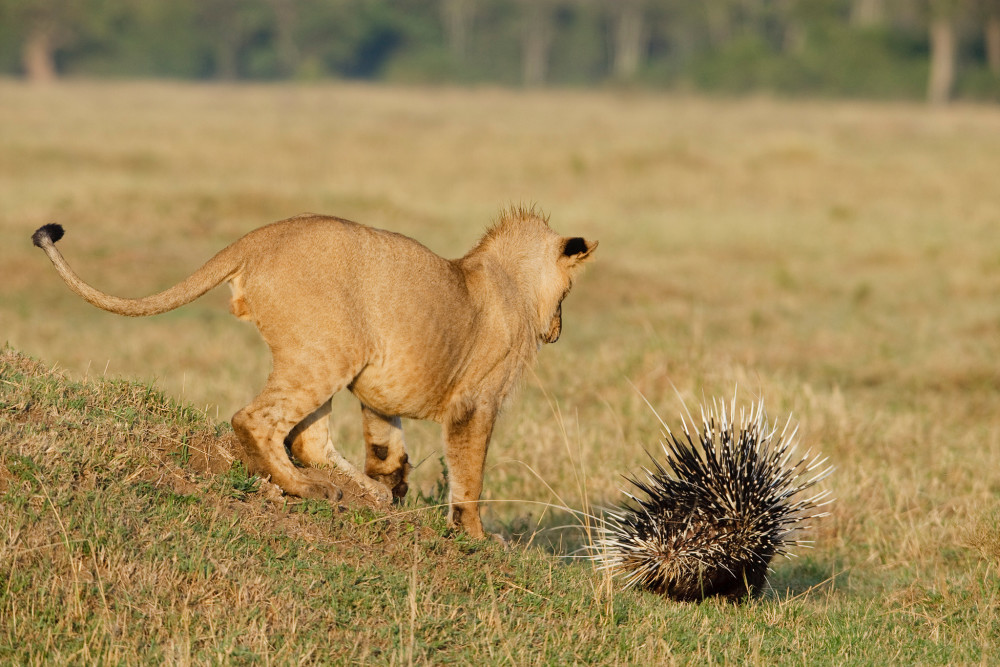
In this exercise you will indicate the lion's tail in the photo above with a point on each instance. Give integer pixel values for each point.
(216, 270)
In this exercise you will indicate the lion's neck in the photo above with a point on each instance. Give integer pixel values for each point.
(502, 288)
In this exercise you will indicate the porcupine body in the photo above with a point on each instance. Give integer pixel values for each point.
(710, 518)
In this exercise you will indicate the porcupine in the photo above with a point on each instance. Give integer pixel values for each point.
(712, 517)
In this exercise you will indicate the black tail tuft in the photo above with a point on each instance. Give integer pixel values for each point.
(52, 231)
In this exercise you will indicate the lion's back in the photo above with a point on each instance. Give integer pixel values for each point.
(324, 282)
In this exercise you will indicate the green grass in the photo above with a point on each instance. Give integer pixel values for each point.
(841, 259)
(114, 552)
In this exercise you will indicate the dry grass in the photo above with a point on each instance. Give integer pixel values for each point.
(842, 259)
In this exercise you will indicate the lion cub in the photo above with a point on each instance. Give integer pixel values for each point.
(410, 334)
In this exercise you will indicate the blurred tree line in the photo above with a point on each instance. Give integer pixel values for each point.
(863, 48)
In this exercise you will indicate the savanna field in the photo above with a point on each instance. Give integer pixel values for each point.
(839, 259)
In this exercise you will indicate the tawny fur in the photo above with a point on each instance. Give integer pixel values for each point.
(409, 333)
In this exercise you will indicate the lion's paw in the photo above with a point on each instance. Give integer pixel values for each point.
(318, 486)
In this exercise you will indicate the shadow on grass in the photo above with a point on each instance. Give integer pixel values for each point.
(553, 530)
(800, 576)
(565, 535)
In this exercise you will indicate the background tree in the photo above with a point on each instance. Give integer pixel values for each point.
(457, 17)
(934, 49)
(537, 18)
(39, 47)
(631, 35)
(46, 26)
(868, 13)
(943, 15)
(719, 21)
(286, 17)
(991, 36)
(234, 23)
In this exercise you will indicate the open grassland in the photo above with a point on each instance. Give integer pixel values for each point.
(840, 259)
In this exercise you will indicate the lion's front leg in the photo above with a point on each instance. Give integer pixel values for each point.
(467, 437)
(386, 460)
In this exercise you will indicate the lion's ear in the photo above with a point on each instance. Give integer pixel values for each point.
(576, 249)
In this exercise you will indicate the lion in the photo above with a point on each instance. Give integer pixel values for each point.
(409, 333)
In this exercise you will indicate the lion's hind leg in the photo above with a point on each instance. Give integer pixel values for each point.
(386, 460)
(309, 440)
(310, 443)
(290, 396)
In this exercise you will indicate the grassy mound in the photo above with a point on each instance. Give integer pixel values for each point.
(130, 533)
